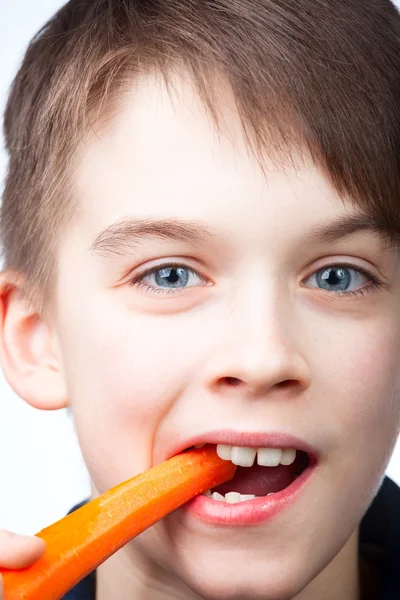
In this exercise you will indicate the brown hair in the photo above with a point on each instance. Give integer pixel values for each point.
(323, 75)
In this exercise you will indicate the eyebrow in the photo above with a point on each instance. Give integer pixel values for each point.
(347, 225)
(120, 236)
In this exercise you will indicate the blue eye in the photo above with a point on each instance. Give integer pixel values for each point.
(344, 280)
(167, 278)
(340, 279)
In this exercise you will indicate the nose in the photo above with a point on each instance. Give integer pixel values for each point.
(256, 352)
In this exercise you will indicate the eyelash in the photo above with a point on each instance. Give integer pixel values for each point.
(374, 284)
(138, 280)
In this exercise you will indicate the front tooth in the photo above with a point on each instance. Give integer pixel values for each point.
(244, 497)
(232, 497)
(217, 496)
(288, 456)
(224, 452)
(269, 457)
(242, 456)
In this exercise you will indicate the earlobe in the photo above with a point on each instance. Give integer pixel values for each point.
(28, 353)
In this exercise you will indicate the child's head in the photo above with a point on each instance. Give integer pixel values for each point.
(200, 226)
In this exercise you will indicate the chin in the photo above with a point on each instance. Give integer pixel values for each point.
(240, 588)
(245, 579)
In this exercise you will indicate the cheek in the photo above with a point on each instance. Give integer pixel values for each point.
(124, 376)
(361, 376)
(370, 386)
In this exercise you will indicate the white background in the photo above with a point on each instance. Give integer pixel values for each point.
(42, 473)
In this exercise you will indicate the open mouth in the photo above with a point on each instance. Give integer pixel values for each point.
(260, 472)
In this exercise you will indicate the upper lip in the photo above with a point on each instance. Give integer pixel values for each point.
(243, 438)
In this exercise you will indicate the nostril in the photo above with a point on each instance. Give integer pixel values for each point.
(287, 383)
(233, 381)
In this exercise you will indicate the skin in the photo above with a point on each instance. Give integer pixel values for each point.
(255, 344)
(18, 552)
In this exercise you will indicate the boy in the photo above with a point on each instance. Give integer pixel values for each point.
(201, 228)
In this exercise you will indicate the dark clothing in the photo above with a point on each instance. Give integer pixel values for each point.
(379, 544)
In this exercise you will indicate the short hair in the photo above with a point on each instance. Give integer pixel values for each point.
(318, 75)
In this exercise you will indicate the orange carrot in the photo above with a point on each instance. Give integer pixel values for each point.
(84, 539)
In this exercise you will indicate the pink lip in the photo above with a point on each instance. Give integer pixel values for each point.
(251, 512)
(254, 511)
(249, 439)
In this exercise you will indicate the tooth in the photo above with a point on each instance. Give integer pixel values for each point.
(217, 496)
(207, 493)
(288, 456)
(224, 452)
(244, 497)
(199, 445)
(269, 457)
(232, 497)
(243, 457)
(266, 457)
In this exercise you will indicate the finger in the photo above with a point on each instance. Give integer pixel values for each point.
(19, 551)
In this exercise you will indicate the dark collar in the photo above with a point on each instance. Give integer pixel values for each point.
(379, 542)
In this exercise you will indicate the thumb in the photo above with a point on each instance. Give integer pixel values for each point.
(19, 551)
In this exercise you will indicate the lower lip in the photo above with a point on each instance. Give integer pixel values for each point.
(251, 512)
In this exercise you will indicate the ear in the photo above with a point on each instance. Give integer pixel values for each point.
(28, 348)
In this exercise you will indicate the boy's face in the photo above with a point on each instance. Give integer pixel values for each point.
(247, 336)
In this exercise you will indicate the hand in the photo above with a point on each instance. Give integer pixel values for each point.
(18, 552)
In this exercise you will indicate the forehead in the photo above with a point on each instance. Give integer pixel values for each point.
(161, 157)
(161, 144)
(154, 126)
